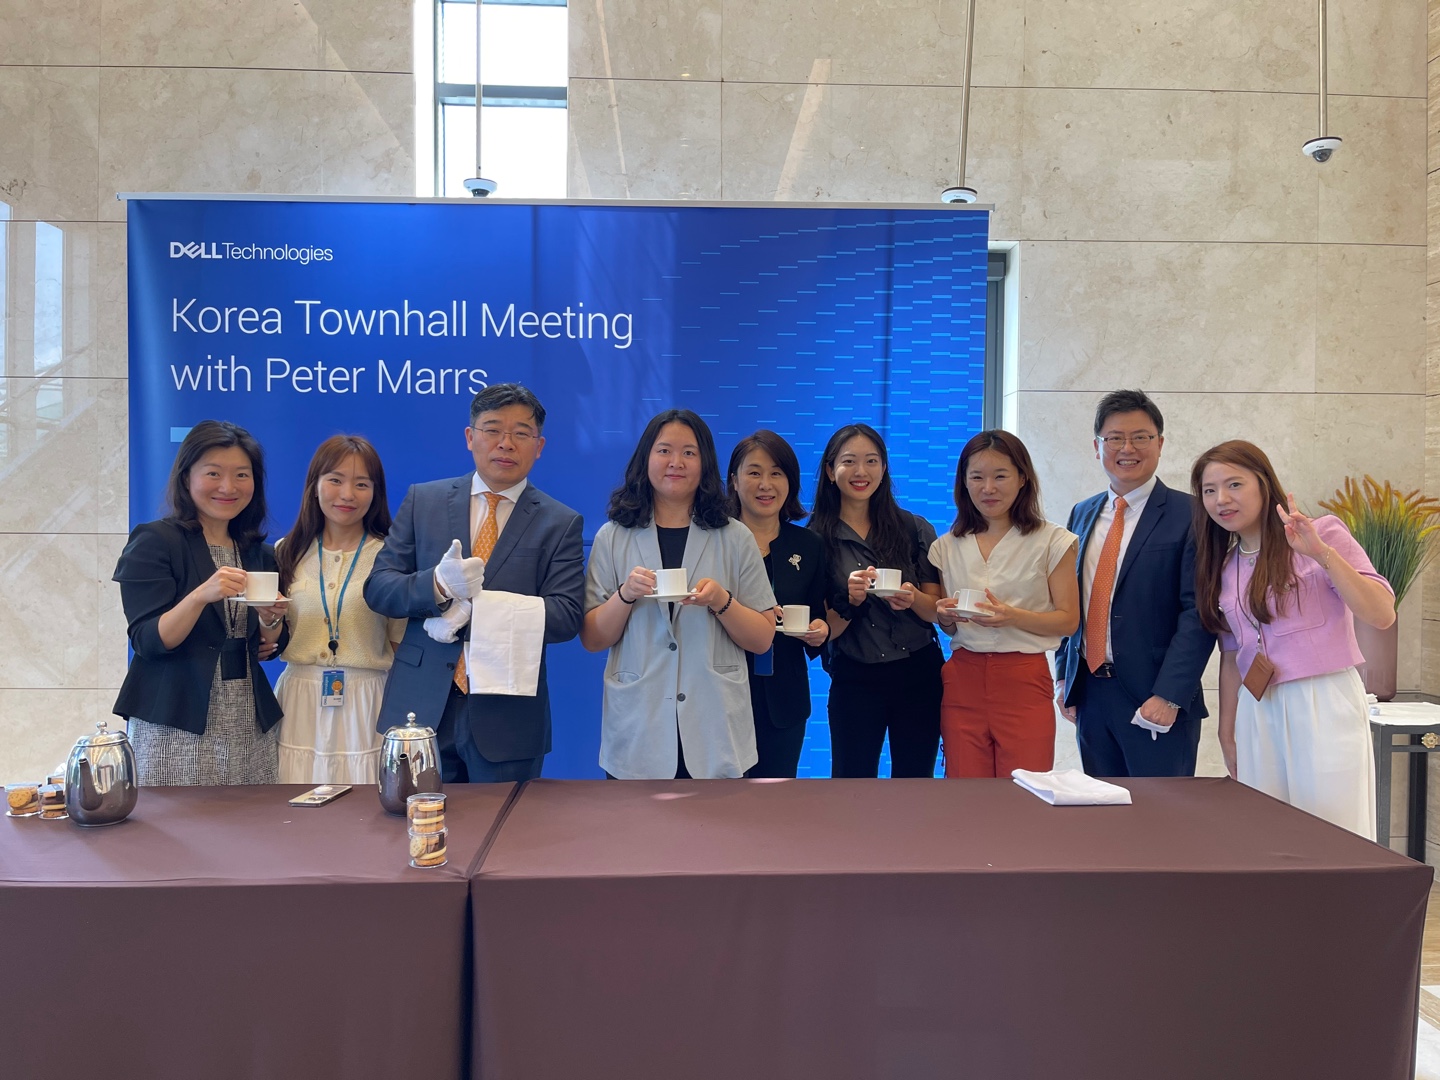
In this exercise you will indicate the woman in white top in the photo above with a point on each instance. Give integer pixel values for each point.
(340, 651)
(997, 714)
(677, 696)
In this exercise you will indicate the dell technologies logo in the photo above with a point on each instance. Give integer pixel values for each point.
(224, 249)
(194, 251)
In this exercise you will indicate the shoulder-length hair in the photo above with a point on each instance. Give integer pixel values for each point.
(1025, 514)
(632, 504)
(246, 527)
(1274, 580)
(310, 521)
(891, 536)
(783, 454)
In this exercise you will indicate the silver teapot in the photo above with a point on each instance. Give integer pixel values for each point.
(409, 763)
(100, 778)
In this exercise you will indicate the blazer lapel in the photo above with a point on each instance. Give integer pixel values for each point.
(648, 541)
(1086, 524)
(696, 541)
(1149, 518)
(520, 519)
(457, 514)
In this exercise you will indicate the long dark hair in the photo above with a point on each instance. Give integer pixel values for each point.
(1274, 578)
(632, 504)
(891, 535)
(246, 527)
(1025, 513)
(310, 521)
(783, 454)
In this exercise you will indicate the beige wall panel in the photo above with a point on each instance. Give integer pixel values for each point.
(319, 34)
(69, 331)
(1373, 434)
(993, 162)
(1432, 236)
(38, 728)
(1168, 317)
(1409, 668)
(1434, 50)
(63, 32)
(1373, 190)
(113, 659)
(167, 129)
(64, 471)
(1166, 165)
(647, 39)
(1202, 45)
(1370, 334)
(1377, 47)
(109, 288)
(644, 140)
(1432, 117)
(895, 42)
(368, 143)
(49, 611)
(839, 143)
(49, 123)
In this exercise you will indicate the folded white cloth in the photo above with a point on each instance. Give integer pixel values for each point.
(1071, 787)
(449, 623)
(1155, 729)
(1406, 712)
(507, 639)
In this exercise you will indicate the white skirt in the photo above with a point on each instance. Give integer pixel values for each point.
(329, 744)
(1308, 742)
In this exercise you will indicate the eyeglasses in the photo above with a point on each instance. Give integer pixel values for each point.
(495, 434)
(1117, 442)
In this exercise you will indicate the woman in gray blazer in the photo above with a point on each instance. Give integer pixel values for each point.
(677, 699)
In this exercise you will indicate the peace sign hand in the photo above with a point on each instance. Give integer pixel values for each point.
(1300, 532)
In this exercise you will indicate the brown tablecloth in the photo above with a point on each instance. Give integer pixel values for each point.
(920, 928)
(220, 932)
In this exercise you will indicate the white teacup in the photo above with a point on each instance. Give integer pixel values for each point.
(970, 601)
(261, 586)
(888, 579)
(670, 582)
(796, 618)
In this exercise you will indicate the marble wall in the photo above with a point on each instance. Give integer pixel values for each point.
(1146, 157)
(102, 96)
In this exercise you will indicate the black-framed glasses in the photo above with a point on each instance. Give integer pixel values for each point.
(1117, 442)
(519, 436)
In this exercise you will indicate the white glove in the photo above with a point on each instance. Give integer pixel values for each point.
(461, 578)
(448, 624)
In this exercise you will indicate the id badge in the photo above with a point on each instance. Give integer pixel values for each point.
(765, 662)
(233, 656)
(332, 687)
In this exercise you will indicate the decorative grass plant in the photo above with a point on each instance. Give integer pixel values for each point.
(1397, 530)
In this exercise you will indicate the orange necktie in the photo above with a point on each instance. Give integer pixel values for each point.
(482, 546)
(1097, 616)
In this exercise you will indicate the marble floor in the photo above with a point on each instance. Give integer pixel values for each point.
(1427, 1044)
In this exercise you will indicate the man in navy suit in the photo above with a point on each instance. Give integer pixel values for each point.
(430, 563)
(1140, 649)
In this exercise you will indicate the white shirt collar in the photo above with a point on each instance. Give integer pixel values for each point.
(1133, 498)
(478, 487)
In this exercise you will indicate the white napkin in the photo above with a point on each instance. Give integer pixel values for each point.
(507, 639)
(448, 623)
(1071, 787)
(1155, 729)
(1406, 712)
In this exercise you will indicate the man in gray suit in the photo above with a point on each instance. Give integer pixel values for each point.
(434, 565)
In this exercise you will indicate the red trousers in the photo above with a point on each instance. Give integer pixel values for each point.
(998, 714)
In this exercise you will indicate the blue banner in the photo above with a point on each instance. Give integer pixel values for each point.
(299, 320)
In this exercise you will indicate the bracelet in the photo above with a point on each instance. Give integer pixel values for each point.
(271, 625)
(726, 608)
(620, 593)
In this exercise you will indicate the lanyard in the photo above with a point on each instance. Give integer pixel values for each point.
(334, 627)
(235, 613)
(1240, 606)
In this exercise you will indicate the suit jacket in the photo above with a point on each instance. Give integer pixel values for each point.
(540, 552)
(1159, 645)
(799, 577)
(163, 562)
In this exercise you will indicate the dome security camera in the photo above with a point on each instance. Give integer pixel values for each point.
(1321, 149)
(959, 194)
(480, 187)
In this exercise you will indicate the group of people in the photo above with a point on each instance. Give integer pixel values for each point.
(446, 610)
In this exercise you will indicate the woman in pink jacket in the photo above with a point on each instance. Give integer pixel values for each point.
(1282, 590)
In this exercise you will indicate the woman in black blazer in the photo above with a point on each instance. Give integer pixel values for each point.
(201, 710)
(762, 482)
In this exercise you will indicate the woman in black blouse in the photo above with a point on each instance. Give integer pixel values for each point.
(884, 660)
(762, 483)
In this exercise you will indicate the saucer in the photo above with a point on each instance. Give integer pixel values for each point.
(674, 598)
(792, 633)
(883, 593)
(279, 600)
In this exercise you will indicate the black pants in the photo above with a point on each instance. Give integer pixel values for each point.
(1112, 746)
(779, 747)
(460, 759)
(902, 697)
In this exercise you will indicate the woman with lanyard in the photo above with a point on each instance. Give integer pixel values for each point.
(676, 699)
(1283, 591)
(340, 651)
(884, 659)
(763, 483)
(200, 707)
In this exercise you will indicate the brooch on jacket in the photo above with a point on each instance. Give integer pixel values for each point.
(795, 560)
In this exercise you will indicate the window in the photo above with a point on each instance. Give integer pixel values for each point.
(523, 106)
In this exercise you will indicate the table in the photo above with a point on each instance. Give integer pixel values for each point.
(1420, 720)
(917, 928)
(219, 932)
